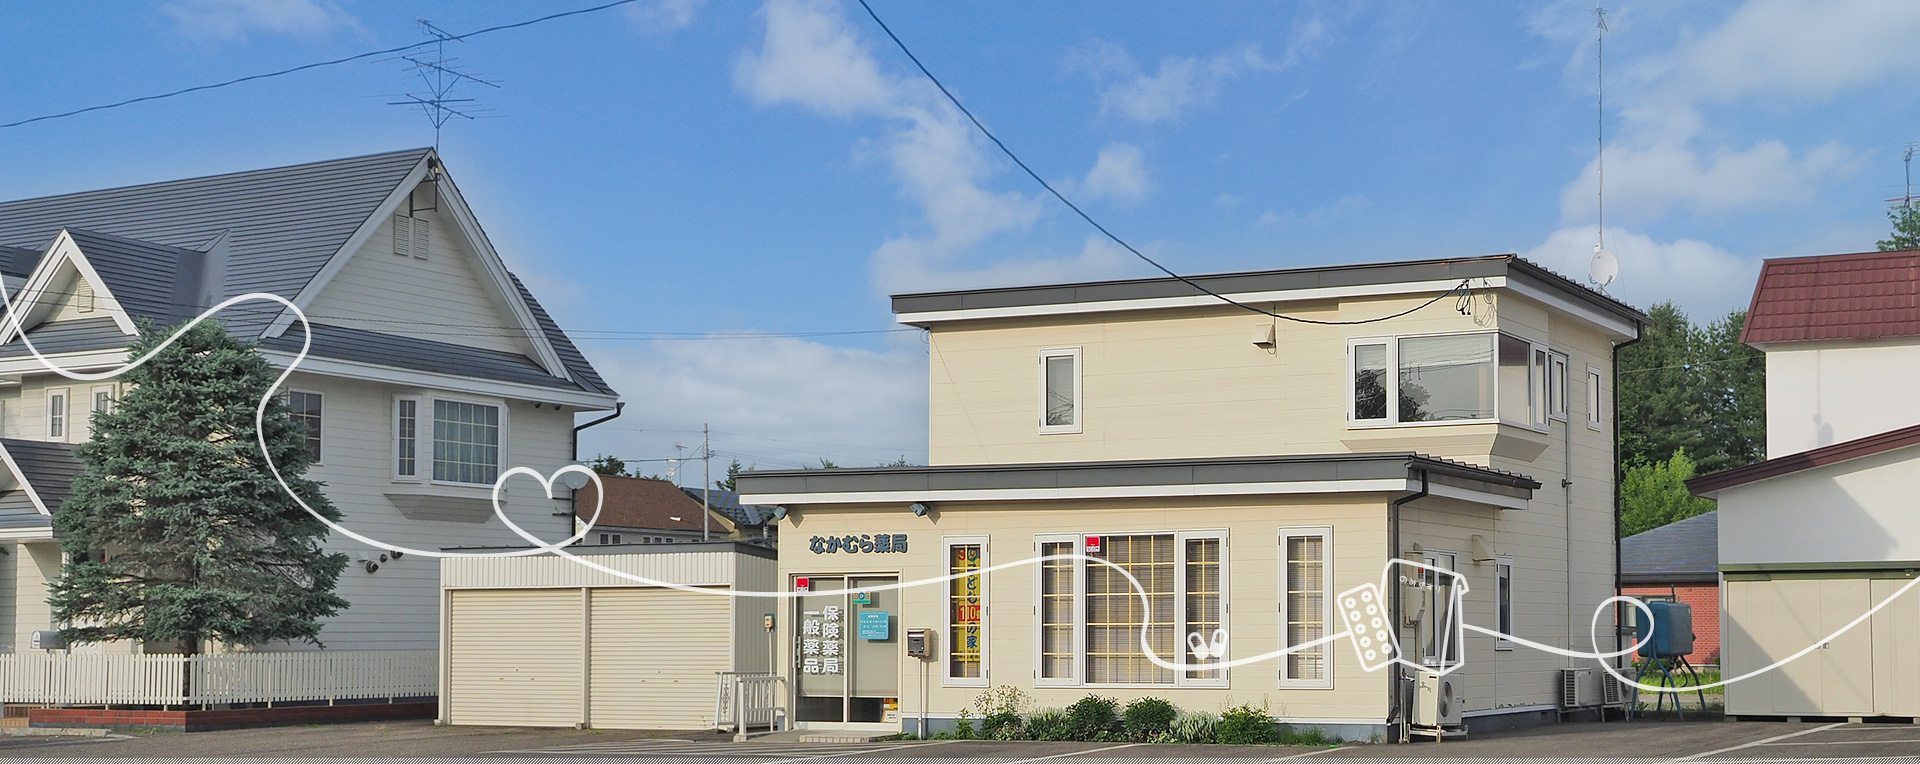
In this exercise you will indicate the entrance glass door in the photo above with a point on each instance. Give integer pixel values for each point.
(847, 652)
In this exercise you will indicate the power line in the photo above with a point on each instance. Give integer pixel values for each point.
(315, 65)
(1464, 283)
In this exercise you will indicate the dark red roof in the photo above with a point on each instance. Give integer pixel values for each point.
(1836, 297)
(1806, 460)
(644, 503)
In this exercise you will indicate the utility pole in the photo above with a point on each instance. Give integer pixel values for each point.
(706, 488)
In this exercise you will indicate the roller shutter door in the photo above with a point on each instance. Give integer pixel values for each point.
(655, 652)
(515, 657)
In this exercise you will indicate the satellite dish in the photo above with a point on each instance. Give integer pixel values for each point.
(1604, 268)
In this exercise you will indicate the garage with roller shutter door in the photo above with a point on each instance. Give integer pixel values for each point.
(543, 641)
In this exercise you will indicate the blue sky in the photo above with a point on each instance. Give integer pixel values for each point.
(700, 167)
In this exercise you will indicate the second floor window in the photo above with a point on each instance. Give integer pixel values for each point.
(1475, 377)
(306, 411)
(57, 414)
(1060, 391)
(466, 442)
(1438, 378)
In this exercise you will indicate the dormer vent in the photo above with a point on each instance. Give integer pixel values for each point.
(410, 236)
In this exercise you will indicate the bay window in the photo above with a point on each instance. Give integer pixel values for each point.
(466, 442)
(1451, 378)
(1091, 618)
(448, 440)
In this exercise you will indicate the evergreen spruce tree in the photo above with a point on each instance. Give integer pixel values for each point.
(176, 532)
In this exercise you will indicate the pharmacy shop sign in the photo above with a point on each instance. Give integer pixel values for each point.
(865, 543)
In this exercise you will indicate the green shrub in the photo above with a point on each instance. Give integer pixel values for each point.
(1312, 736)
(1092, 715)
(1049, 724)
(999, 709)
(963, 729)
(1147, 718)
(1194, 727)
(1247, 725)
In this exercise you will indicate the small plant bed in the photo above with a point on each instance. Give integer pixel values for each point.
(1005, 713)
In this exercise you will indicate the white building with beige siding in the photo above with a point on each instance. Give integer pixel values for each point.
(1244, 468)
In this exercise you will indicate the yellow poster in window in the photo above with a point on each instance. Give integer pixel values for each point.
(965, 612)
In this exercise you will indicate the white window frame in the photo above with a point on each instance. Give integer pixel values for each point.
(1559, 388)
(1595, 398)
(59, 418)
(500, 459)
(318, 461)
(93, 396)
(1503, 570)
(393, 457)
(1179, 615)
(1537, 386)
(1180, 539)
(947, 679)
(1079, 391)
(1432, 558)
(1325, 533)
(1392, 341)
(1076, 544)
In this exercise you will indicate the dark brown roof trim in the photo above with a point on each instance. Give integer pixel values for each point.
(1806, 460)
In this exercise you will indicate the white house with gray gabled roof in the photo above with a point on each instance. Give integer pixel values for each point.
(432, 367)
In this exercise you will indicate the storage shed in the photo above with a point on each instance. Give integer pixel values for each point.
(542, 641)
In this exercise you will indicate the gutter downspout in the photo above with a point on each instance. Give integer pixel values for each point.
(1396, 710)
(1619, 474)
(573, 501)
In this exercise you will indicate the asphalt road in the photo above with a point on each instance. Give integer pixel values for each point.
(1618, 741)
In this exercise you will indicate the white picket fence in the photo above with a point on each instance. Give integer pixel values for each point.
(156, 680)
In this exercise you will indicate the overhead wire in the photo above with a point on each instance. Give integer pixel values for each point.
(315, 65)
(1465, 285)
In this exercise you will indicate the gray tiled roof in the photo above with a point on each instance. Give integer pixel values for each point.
(728, 503)
(286, 221)
(73, 336)
(1686, 551)
(150, 281)
(49, 469)
(283, 225)
(363, 346)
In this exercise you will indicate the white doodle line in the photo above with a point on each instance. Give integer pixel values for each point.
(546, 482)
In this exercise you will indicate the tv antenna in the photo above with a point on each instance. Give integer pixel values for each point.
(1604, 268)
(440, 75)
(1906, 158)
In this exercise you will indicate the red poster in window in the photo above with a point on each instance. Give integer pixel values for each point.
(802, 584)
(1093, 545)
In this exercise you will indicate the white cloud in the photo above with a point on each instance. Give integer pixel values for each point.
(776, 402)
(1647, 182)
(810, 57)
(1346, 206)
(663, 16)
(1181, 82)
(1802, 49)
(1703, 279)
(1666, 155)
(1119, 173)
(234, 19)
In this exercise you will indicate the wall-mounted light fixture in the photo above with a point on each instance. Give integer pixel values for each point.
(920, 509)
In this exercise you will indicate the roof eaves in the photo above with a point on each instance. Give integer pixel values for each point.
(1805, 460)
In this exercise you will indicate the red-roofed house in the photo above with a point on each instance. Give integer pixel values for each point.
(647, 511)
(1825, 528)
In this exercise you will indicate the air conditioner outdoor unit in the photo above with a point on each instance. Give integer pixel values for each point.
(1612, 691)
(1437, 701)
(1576, 688)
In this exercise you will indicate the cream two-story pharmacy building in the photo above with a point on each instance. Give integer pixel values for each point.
(1244, 469)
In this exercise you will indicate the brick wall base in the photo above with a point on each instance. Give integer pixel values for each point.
(222, 719)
